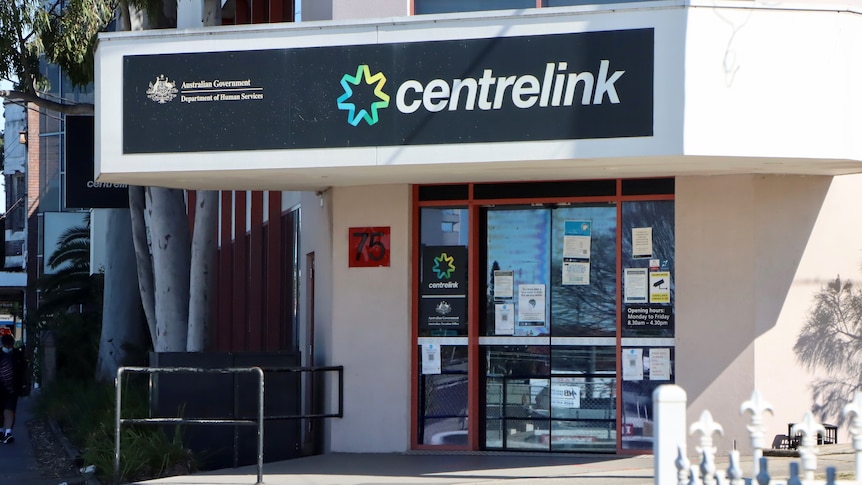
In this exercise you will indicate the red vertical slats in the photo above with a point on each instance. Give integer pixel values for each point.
(274, 274)
(256, 274)
(239, 325)
(224, 315)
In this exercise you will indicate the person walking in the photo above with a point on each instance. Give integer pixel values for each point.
(13, 365)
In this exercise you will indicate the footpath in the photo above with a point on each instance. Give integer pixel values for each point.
(17, 461)
(18, 466)
(481, 469)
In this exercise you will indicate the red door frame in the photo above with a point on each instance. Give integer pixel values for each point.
(473, 363)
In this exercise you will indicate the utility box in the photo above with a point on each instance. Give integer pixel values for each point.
(195, 395)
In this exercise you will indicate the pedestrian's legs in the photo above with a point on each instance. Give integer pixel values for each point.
(9, 406)
(8, 419)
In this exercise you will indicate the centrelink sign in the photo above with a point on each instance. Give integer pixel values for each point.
(541, 87)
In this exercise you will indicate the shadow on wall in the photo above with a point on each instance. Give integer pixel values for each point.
(778, 216)
(831, 341)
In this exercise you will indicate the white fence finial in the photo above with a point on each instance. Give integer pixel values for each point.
(853, 411)
(706, 426)
(757, 406)
(808, 444)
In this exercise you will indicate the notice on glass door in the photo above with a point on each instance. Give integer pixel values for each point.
(633, 365)
(504, 284)
(641, 242)
(635, 285)
(531, 305)
(659, 287)
(577, 237)
(431, 359)
(659, 364)
(576, 272)
(504, 320)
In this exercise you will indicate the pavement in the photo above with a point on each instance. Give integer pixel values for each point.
(18, 466)
(482, 468)
(17, 462)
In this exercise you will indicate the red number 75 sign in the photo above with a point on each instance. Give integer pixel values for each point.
(369, 247)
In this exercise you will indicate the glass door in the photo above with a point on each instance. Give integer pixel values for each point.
(550, 323)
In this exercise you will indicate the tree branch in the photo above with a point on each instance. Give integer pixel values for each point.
(69, 109)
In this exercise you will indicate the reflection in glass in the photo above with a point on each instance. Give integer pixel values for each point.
(444, 226)
(527, 434)
(585, 310)
(518, 240)
(561, 3)
(637, 415)
(569, 405)
(443, 399)
(446, 431)
(583, 436)
(658, 215)
(442, 6)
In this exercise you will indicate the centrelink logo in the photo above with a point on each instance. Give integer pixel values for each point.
(557, 87)
(444, 266)
(370, 116)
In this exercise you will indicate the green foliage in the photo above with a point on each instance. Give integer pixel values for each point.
(85, 410)
(77, 341)
(19, 53)
(65, 32)
(71, 287)
(68, 37)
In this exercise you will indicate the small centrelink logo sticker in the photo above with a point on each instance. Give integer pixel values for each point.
(162, 90)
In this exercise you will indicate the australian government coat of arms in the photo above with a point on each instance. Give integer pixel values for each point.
(162, 90)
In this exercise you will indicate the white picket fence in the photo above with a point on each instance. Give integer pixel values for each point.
(673, 467)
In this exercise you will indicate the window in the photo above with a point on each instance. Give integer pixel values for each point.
(445, 6)
(573, 319)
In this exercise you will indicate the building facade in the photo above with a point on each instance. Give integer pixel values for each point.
(512, 225)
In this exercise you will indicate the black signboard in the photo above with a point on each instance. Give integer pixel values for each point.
(648, 317)
(443, 288)
(82, 192)
(544, 87)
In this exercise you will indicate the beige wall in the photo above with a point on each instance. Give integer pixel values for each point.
(740, 246)
(371, 322)
(833, 249)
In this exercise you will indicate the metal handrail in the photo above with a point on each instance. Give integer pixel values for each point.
(172, 370)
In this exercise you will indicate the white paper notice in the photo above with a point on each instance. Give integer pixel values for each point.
(659, 364)
(531, 303)
(641, 242)
(504, 283)
(659, 287)
(504, 319)
(576, 273)
(564, 395)
(633, 365)
(430, 359)
(635, 282)
(576, 247)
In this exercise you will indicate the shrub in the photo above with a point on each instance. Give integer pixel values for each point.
(85, 411)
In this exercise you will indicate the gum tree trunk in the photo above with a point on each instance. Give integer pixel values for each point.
(169, 229)
(122, 326)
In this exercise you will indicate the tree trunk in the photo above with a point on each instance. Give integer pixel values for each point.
(204, 244)
(169, 229)
(143, 256)
(203, 270)
(122, 328)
